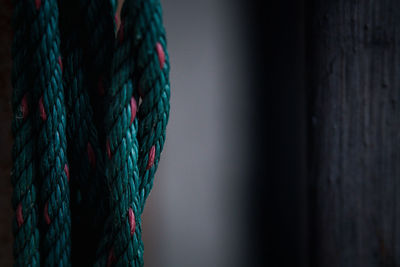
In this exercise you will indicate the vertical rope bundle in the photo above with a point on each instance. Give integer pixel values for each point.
(152, 74)
(23, 177)
(123, 244)
(51, 143)
(85, 150)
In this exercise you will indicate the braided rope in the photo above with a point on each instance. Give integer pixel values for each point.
(142, 34)
(112, 153)
(23, 178)
(51, 123)
(122, 243)
(152, 72)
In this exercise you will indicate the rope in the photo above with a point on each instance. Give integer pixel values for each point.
(90, 115)
(122, 152)
(23, 175)
(152, 72)
(51, 142)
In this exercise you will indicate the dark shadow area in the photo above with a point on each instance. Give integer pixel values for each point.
(278, 185)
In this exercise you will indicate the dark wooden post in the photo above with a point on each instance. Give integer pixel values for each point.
(354, 76)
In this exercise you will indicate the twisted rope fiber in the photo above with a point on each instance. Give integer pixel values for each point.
(112, 153)
(50, 122)
(122, 243)
(152, 72)
(84, 154)
(143, 35)
(23, 178)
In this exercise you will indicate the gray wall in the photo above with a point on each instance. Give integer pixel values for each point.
(195, 213)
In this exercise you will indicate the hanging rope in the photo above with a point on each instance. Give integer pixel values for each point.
(50, 118)
(122, 154)
(152, 74)
(23, 177)
(90, 114)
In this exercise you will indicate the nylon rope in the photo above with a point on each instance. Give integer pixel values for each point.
(91, 106)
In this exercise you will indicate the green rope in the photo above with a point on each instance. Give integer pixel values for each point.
(122, 245)
(84, 108)
(24, 199)
(51, 143)
(152, 72)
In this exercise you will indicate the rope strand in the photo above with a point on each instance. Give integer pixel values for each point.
(123, 242)
(50, 117)
(152, 74)
(90, 115)
(23, 177)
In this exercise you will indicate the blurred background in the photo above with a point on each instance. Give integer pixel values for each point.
(230, 190)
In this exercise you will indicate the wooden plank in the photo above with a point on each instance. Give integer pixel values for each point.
(354, 78)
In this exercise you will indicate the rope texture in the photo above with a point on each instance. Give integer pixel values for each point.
(122, 172)
(90, 115)
(23, 175)
(152, 73)
(51, 143)
(49, 120)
